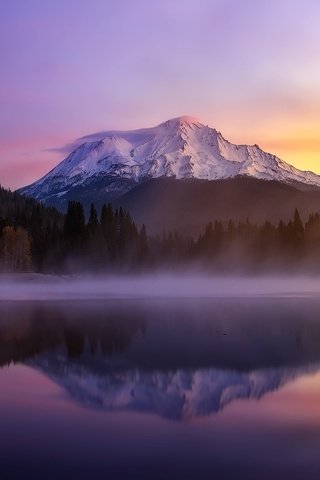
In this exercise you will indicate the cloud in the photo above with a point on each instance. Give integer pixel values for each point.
(64, 149)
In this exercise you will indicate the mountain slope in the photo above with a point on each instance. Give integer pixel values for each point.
(110, 164)
(187, 205)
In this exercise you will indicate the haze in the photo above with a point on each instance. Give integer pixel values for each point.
(22, 287)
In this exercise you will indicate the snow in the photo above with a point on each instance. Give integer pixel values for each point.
(181, 147)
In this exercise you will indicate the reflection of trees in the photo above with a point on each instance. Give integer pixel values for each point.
(233, 335)
(110, 333)
(26, 330)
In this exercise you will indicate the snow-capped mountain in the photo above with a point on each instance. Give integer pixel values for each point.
(116, 161)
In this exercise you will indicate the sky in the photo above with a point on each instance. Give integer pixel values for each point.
(249, 68)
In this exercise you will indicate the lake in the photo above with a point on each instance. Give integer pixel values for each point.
(160, 388)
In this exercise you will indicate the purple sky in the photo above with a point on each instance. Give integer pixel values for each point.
(250, 68)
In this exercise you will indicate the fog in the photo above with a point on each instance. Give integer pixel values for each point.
(15, 287)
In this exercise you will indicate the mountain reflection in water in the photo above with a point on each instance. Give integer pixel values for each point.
(179, 360)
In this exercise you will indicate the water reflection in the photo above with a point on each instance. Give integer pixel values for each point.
(179, 360)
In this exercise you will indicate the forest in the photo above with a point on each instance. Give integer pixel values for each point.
(41, 239)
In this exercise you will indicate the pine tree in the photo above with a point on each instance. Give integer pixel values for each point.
(93, 222)
(297, 222)
(74, 223)
(297, 233)
(74, 229)
(143, 244)
(108, 223)
(95, 242)
(15, 249)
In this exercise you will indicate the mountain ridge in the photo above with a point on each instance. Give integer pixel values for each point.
(181, 148)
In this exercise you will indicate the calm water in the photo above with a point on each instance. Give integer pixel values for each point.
(165, 389)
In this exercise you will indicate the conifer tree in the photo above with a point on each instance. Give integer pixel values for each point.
(143, 244)
(93, 223)
(74, 228)
(108, 223)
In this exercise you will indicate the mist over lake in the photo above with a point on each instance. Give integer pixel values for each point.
(159, 285)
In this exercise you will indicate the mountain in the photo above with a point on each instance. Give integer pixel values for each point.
(180, 148)
(187, 205)
(179, 174)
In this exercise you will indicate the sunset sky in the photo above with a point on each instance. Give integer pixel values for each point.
(250, 68)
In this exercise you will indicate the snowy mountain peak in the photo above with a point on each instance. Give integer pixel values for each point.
(184, 121)
(181, 147)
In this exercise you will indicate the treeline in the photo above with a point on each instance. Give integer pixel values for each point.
(108, 241)
(28, 232)
(244, 246)
(287, 246)
(35, 237)
(42, 239)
